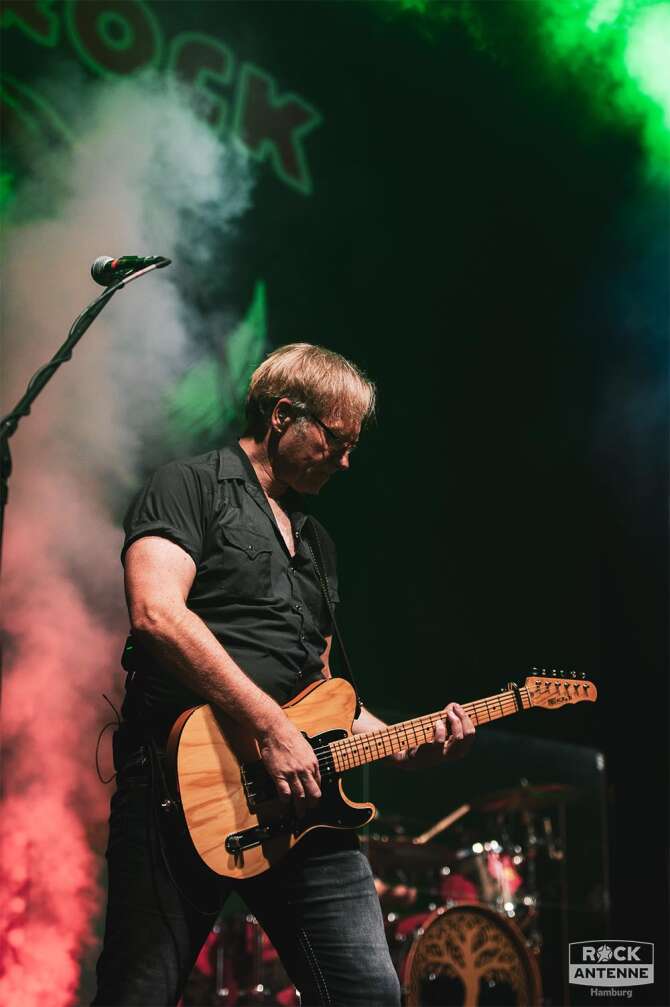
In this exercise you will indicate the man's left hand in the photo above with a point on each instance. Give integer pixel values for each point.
(453, 745)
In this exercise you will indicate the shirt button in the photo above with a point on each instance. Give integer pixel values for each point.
(298, 608)
(302, 636)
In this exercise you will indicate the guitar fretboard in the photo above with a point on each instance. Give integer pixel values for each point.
(360, 749)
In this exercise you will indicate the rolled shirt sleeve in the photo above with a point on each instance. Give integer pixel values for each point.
(171, 505)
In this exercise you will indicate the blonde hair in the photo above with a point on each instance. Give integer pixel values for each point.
(317, 380)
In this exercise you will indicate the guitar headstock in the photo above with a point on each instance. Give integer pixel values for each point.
(552, 688)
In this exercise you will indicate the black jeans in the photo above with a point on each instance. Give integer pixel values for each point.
(319, 908)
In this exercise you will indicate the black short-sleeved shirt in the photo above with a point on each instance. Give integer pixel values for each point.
(264, 606)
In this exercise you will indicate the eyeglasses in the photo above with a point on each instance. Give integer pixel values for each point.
(340, 444)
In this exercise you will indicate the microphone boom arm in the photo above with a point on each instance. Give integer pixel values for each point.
(10, 422)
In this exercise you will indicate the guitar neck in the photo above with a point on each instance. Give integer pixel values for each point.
(360, 749)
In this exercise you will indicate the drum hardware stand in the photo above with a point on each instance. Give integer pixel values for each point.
(255, 993)
(252, 986)
(528, 820)
(554, 847)
(534, 937)
(221, 991)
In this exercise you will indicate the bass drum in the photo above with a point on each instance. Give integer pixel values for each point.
(469, 956)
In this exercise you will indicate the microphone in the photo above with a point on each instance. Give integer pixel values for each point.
(106, 270)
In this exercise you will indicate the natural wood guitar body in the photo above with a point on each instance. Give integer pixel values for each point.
(208, 751)
(236, 822)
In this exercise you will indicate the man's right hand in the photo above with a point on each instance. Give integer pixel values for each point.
(292, 764)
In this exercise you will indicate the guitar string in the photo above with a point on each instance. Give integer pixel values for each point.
(356, 750)
(353, 748)
(502, 707)
(357, 744)
(349, 750)
(359, 747)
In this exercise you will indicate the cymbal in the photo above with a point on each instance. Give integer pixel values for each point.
(402, 851)
(396, 825)
(527, 798)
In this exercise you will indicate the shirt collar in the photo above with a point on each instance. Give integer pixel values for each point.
(234, 463)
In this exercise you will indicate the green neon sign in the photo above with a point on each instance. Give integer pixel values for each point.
(114, 40)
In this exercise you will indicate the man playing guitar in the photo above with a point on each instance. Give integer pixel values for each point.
(226, 608)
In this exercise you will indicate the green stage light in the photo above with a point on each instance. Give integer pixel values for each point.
(209, 399)
(7, 185)
(431, 16)
(603, 12)
(617, 49)
(648, 55)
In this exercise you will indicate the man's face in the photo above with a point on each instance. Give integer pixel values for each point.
(312, 449)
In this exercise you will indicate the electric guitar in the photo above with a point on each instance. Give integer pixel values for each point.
(236, 821)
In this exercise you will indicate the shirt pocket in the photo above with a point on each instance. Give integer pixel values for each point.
(246, 561)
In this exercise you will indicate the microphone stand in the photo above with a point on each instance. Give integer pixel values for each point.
(10, 422)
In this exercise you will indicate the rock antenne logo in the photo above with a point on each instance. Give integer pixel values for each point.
(611, 963)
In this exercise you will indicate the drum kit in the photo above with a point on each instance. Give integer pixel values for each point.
(464, 920)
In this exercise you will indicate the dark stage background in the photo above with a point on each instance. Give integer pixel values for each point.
(469, 226)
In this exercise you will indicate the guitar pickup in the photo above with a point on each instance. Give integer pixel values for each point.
(237, 842)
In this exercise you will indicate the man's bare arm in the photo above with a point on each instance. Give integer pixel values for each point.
(158, 578)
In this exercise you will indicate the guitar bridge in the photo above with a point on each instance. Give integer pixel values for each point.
(257, 784)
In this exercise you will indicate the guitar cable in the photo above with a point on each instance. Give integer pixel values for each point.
(112, 723)
(168, 805)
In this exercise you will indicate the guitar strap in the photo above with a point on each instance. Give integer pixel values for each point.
(311, 536)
